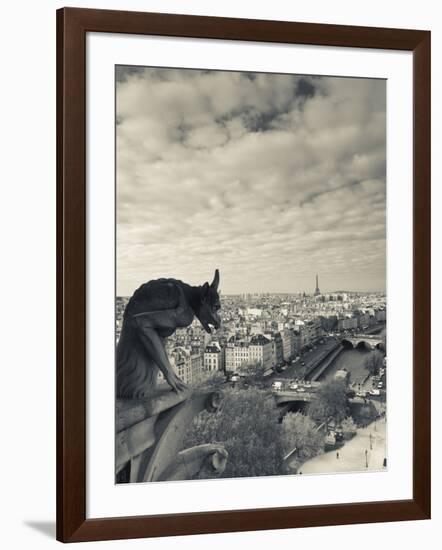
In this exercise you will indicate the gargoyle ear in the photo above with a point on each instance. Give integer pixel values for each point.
(215, 281)
(205, 291)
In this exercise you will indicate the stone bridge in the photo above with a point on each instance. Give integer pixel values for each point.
(362, 341)
(287, 397)
(292, 396)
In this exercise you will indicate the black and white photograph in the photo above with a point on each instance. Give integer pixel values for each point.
(251, 299)
(224, 216)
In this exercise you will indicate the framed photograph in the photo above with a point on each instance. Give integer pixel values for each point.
(243, 300)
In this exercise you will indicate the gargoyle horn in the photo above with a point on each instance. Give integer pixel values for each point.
(215, 281)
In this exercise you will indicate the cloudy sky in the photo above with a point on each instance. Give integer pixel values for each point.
(270, 178)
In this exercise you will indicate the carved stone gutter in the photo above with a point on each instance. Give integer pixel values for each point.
(150, 435)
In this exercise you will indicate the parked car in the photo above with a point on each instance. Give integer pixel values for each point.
(277, 385)
(380, 385)
(375, 392)
(301, 389)
(293, 386)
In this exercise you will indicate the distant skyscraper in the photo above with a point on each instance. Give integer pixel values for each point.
(317, 291)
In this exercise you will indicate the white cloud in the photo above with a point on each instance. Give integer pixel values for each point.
(271, 178)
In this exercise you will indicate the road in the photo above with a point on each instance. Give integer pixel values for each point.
(296, 369)
(365, 452)
(352, 360)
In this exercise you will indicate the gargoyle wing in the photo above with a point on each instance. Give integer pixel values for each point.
(157, 295)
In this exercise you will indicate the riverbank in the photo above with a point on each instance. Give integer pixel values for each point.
(366, 451)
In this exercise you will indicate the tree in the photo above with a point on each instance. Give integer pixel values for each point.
(348, 426)
(374, 362)
(208, 379)
(330, 401)
(365, 414)
(382, 346)
(247, 425)
(253, 372)
(300, 435)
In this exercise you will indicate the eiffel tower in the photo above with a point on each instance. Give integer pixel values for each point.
(317, 291)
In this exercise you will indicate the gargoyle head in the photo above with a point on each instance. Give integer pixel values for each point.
(209, 305)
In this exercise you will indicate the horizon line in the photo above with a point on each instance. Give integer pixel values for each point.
(289, 293)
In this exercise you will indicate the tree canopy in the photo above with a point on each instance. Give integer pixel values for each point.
(366, 414)
(300, 435)
(247, 425)
(253, 371)
(374, 362)
(348, 426)
(330, 402)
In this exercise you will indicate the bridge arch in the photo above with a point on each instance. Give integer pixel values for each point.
(362, 342)
(347, 344)
(362, 345)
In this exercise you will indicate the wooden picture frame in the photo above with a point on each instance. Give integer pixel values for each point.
(72, 26)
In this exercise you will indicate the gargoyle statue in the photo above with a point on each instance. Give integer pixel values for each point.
(155, 311)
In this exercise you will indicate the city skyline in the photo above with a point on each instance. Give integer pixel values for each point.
(308, 292)
(270, 178)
